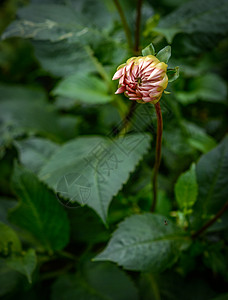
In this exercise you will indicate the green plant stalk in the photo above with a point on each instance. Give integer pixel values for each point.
(124, 22)
(210, 222)
(158, 154)
(126, 121)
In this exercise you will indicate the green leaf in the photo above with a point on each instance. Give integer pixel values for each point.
(84, 88)
(164, 54)
(143, 242)
(99, 165)
(6, 204)
(9, 241)
(47, 22)
(198, 138)
(34, 152)
(212, 170)
(149, 50)
(186, 189)
(66, 22)
(210, 88)
(221, 297)
(98, 281)
(26, 110)
(24, 264)
(205, 16)
(9, 279)
(39, 211)
(68, 57)
(173, 74)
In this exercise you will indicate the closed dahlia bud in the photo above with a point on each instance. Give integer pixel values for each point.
(142, 78)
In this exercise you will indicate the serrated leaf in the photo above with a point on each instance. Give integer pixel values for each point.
(99, 165)
(173, 74)
(34, 152)
(38, 211)
(84, 88)
(149, 50)
(9, 241)
(98, 281)
(143, 242)
(164, 54)
(186, 189)
(24, 264)
(205, 16)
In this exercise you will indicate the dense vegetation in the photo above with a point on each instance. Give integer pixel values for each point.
(77, 161)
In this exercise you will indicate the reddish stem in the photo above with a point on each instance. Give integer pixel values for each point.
(137, 28)
(158, 154)
(210, 222)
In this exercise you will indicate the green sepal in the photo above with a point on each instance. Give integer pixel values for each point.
(149, 50)
(167, 93)
(173, 74)
(164, 54)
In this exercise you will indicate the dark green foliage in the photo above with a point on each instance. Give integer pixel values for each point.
(75, 220)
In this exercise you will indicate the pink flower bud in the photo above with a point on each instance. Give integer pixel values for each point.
(142, 78)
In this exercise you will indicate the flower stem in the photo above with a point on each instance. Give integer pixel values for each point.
(210, 222)
(158, 154)
(137, 29)
(124, 22)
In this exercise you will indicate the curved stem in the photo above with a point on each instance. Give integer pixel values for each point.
(210, 222)
(137, 29)
(124, 22)
(158, 154)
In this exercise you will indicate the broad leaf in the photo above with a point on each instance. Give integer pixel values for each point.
(6, 204)
(143, 242)
(34, 152)
(212, 170)
(47, 22)
(91, 170)
(39, 211)
(24, 264)
(210, 88)
(68, 57)
(205, 16)
(186, 189)
(25, 110)
(9, 241)
(84, 88)
(98, 281)
(198, 138)
(9, 279)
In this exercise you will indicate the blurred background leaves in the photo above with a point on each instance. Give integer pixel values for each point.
(57, 104)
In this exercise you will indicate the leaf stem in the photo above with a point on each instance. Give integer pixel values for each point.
(158, 154)
(210, 222)
(99, 67)
(137, 29)
(126, 120)
(124, 23)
